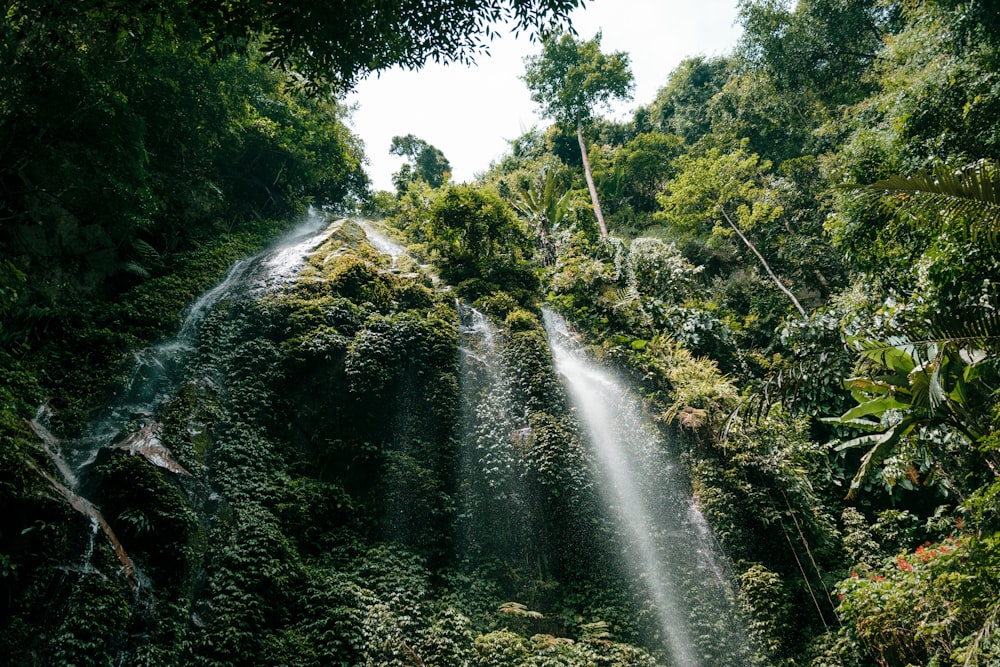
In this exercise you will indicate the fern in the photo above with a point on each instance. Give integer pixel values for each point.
(596, 631)
(626, 296)
(136, 269)
(144, 258)
(518, 609)
(146, 253)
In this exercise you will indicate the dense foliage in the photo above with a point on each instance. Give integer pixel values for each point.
(799, 280)
(827, 351)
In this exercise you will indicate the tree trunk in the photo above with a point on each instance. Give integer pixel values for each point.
(767, 267)
(590, 182)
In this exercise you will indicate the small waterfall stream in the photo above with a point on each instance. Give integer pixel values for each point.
(494, 516)
(664, 537)
(158, 368)
(381, 242)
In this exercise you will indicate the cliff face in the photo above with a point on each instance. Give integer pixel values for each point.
(360, 471)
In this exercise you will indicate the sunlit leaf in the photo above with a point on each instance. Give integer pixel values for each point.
(874, 407)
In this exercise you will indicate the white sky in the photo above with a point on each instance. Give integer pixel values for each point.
(471, 113)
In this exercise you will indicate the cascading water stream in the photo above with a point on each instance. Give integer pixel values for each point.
(381, 242)
(478, 334)
(157, 371)
(158, 368)
(492, 424)
(665, 539)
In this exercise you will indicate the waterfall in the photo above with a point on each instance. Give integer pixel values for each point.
(664, 538)
(381, 242)
(158, 368)
(493, 516)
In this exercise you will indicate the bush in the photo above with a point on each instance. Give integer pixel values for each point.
(934, 605)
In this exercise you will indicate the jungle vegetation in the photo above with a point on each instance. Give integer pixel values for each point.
(798, 274)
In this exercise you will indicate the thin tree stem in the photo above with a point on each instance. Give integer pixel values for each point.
(805, 577)
(805, 543)
(413, 654)
(590, 181)
(767, 267)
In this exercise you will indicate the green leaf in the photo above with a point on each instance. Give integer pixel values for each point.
(860, 441)
(935, 390)
(865, 424)
(969, 197)
(884, 445)
(898, 358)
(874, 407)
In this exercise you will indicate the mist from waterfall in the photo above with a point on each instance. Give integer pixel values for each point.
(158, 368)
(663, 537)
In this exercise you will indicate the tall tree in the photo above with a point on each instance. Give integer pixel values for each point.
(568, 79)
(426, 162)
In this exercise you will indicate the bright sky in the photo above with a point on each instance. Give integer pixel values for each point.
(471, 113)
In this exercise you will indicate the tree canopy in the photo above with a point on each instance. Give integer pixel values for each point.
(424, 162)
(330, 44)
(571, 78)
(337, 42)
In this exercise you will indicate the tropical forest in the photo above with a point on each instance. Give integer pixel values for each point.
(712, 384)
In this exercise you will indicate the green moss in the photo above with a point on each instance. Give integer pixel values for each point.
(150, 513)
(521, 320)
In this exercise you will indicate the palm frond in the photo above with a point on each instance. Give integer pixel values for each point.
(967, 332)
(978, 182)
(883, 446)
(969, 197)
(894, 353)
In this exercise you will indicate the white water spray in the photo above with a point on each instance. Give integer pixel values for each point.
(494, 513)
(159, 367)
(279, 264)
(665, 539)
